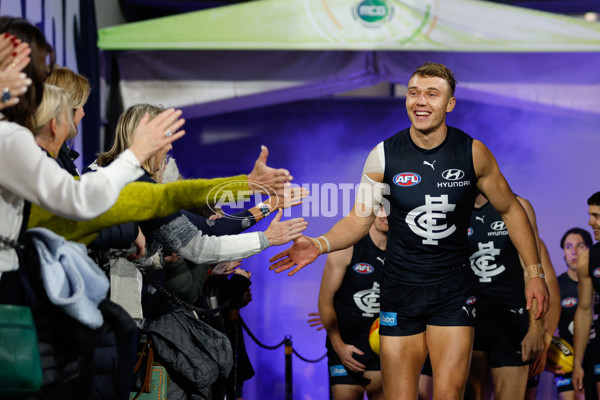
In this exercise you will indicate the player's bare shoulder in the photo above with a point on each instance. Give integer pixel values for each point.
(483, 159)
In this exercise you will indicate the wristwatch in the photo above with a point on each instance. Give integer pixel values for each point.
(263, 209)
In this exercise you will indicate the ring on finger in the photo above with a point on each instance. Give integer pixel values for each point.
(168, 133)
(6, 95)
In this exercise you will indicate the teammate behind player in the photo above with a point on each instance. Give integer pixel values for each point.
(348, 305)
(588, 273)
(573, 242)
(507, 337)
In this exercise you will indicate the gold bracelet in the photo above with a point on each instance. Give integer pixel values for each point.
(535, 271)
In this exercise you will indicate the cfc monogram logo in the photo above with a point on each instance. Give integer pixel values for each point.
(368, 300)
(483, 262)
(423, 220)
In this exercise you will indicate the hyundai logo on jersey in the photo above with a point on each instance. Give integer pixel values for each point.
(498, 225)
(471, 300)
(407, 179)
(363, 268)
(569, 302)
(337, 370)
(453, 174)
(388, 318)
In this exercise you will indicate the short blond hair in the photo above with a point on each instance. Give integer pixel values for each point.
(77, 86)
(54, 104)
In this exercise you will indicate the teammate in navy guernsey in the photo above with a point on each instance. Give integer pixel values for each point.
(574, 242)
(507, 337)
(588, 273)
(348, 305)
(429, 175)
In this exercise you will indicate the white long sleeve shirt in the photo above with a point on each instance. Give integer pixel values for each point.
(26, 172)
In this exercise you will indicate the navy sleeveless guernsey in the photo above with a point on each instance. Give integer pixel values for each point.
(431, 197)
(568, 306)
(594, 270)
(356, 302)
(500, 286)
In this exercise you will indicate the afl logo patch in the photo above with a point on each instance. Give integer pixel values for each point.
(597, 272)
(569, 302)
(498, 225)
(471, 300)
(470, 231)
(453, 174)
(363, 268)
(407, 179)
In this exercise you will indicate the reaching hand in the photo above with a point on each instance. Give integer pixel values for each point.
(264, 179)
(316, 321)
(14, 56)
(226, 268)
(292, 196)
(243, 272)
(281, 232)
(302, 253)
(140, 245)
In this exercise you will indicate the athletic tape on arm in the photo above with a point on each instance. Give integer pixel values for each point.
(370, 192)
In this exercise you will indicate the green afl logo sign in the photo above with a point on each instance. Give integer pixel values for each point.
(373, 12)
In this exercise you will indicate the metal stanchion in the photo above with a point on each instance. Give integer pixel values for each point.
(289, 387)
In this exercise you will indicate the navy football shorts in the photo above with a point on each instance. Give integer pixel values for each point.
(339, 374)
(407, 310)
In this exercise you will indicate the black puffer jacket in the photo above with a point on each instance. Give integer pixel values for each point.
(193, 353)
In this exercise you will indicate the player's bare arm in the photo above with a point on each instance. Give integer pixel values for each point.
(345, 232)
(583, 318)
(550, 320)
(495, 188)
(333, 275)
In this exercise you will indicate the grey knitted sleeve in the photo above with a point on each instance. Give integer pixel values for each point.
(185, 239)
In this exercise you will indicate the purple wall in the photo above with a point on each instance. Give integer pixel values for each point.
(546, 156)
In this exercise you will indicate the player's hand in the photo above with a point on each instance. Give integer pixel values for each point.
(537, 289)
(532, 344)
(555, 369)
(315, 321)
(302, 253)
(577, 378)
(538, 364)
(264, 179)
(345, 353)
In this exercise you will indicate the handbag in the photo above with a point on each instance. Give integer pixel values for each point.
(20, 365)
(150, 380)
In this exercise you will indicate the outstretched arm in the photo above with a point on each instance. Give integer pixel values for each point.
(139, 201)
(349, 229)
(333, 276)
(584, 316)
(492, 184)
